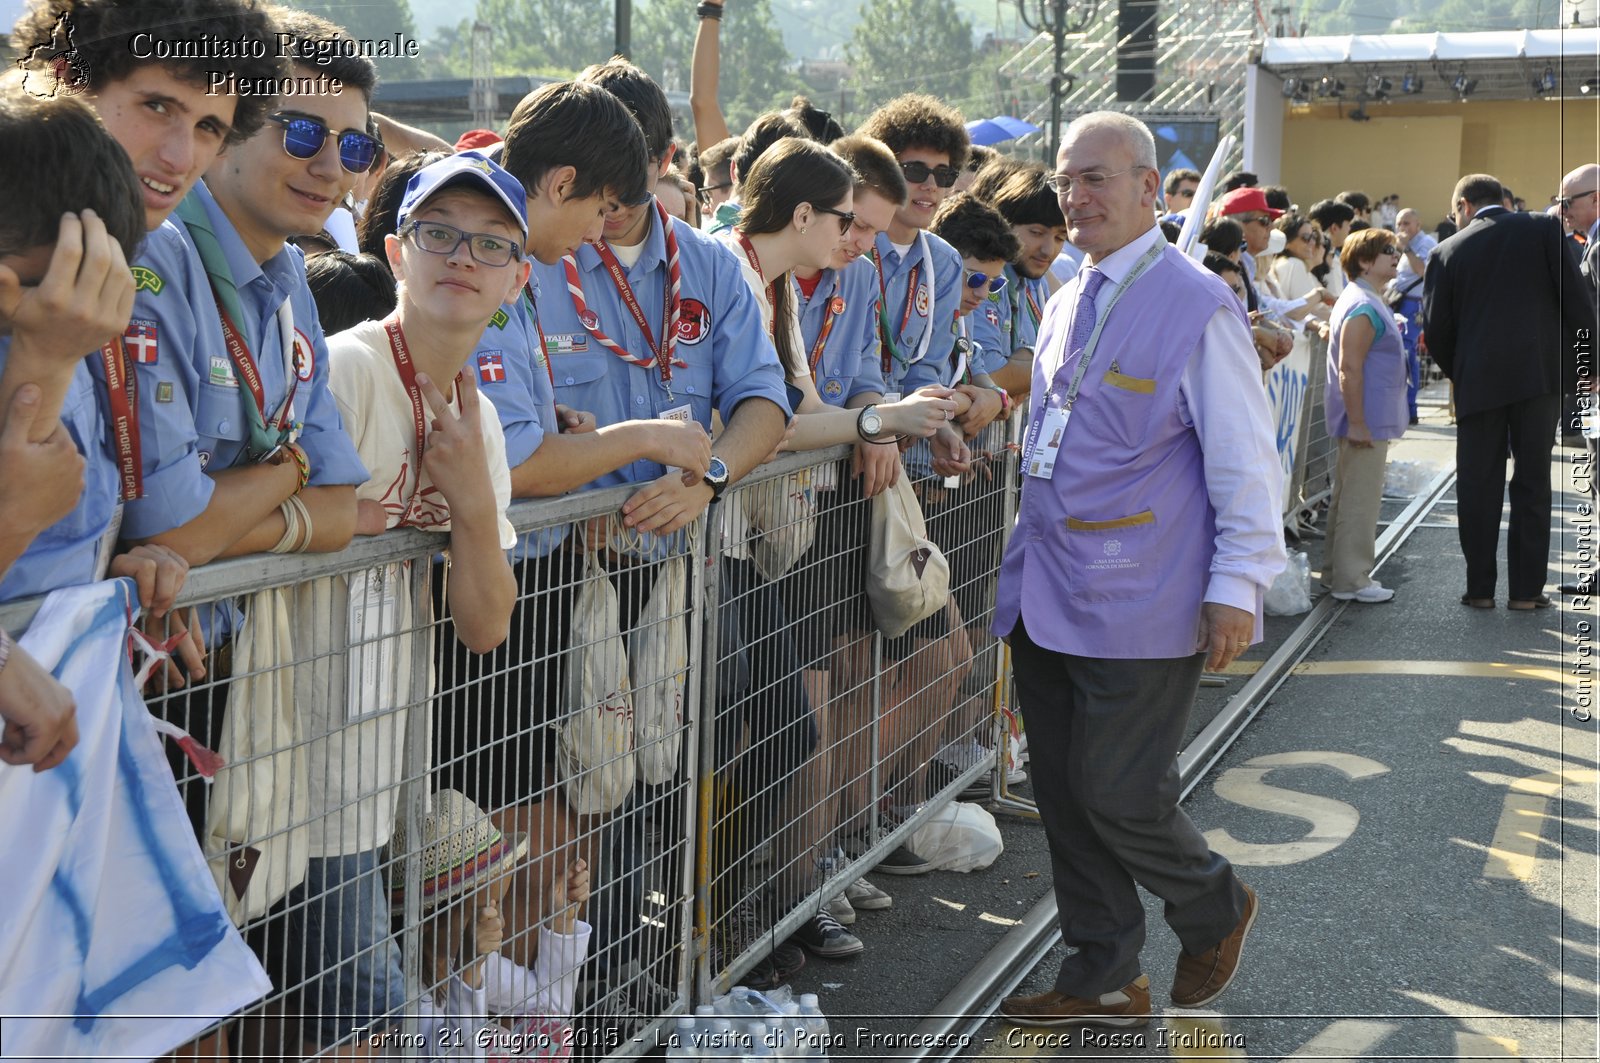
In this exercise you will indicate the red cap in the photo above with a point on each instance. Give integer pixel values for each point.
(1246, 201)
(474, 139)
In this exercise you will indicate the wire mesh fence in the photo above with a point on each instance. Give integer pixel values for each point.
(676, 769)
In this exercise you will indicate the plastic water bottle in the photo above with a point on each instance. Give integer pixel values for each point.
(759, 1051)
(724, 1042)
(816, 1026)
(742, 1004)
(793, 1033)
(683, 1040)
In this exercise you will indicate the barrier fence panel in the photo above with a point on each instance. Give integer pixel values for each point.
(710, 724)
(1320, 452)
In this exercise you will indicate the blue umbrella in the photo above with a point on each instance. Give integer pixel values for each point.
(986, 131)
(1015, 126)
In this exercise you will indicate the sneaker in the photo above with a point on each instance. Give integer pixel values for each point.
(1128, 1006)
(1372, 594)
(823, 936)
(775, 970)
(864, 896)
(842, 910)
(904, 862)
(1201, 979)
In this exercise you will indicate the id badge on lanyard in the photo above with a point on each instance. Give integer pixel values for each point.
(1045, 438)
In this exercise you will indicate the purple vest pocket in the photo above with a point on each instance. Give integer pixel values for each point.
(1112, 560)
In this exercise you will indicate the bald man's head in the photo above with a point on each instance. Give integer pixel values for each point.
(1580, 206)
(1407, 223)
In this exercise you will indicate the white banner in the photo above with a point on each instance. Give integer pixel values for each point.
(1286, 396)
(113, 939)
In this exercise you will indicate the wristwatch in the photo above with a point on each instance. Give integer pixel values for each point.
(716, 478)
(868, 424)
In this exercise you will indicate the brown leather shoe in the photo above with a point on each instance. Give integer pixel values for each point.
(1201, 979)
(1128, 1006)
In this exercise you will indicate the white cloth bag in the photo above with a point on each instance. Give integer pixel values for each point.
(254, 840)
(908, 577)
(658, 660)
(594, 744)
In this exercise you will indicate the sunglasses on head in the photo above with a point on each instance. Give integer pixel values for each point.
(996, 284)
(918, 172)
(303, 137)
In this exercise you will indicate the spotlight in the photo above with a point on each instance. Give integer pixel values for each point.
(1411, 84)
(1590, 87)
(1330, 86)
(1378, 86)
(1292, 87)
(1545, 82)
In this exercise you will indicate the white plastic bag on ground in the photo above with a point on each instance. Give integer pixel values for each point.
(1290, 593)
(1406, 479)
(594, 745)
(658, 661)
(958, 837)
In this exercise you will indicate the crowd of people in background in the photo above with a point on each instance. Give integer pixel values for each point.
(239, 324)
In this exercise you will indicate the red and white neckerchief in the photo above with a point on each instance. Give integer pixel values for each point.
(664, 352)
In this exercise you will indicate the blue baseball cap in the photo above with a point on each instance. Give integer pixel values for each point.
(471, 168)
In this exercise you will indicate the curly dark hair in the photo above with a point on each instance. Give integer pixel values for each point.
(918, 121)
(104, 32)
(975, 229)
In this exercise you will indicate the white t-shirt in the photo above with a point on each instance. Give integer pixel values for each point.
(373, 673)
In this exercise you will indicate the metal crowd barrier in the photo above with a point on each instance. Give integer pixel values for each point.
(797, 748)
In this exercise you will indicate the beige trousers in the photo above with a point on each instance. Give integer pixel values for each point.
(1353, 515)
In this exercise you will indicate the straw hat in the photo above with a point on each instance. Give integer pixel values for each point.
(460, 846)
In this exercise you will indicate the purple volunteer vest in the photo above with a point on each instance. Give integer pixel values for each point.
(1112, 555)
(1383, 383)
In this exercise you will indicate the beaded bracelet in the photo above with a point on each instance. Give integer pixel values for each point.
(302, 464)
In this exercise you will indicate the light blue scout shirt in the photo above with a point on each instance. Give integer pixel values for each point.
(720, 335)
(67, 553)
(911, 313)
(1006, 320)
(851, 361)
(513, 375)
(194, 359)
(191, 384)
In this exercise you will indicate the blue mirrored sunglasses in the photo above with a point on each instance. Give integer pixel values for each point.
(996, 283)
(303, 137)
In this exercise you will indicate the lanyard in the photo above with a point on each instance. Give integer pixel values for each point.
(1150, 258)
(891, 349)
(408, 377)
(664, 353)
(265, 433)
(538, 327)
(835, 308)
(772, 294)
(123, 392)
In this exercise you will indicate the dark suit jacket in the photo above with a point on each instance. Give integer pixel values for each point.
(1506, 311)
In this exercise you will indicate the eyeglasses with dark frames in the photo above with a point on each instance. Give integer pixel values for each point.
(304, 135)
(918, 172)
(437, 238)
(705, 193)
(1567, 201)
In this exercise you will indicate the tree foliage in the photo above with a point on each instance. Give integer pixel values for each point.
(546, 36)
(902, 46)
(756, 66)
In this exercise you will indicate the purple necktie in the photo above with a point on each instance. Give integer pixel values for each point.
(1083, 313)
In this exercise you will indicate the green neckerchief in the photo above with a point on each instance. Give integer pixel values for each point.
(263, 440)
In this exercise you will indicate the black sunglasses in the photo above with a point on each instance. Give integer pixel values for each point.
(846, 218)
(1567, 201)
(918, 172)
(705, 193)
(303, 137)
